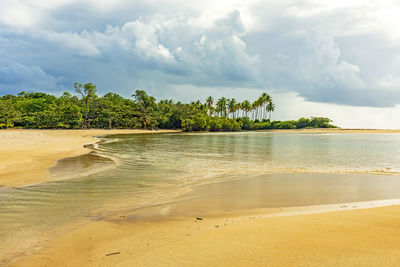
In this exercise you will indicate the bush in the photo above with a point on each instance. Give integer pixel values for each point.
(247, 124)
(285, 125)
(196, 123)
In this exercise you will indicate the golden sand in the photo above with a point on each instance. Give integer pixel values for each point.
(368, 237)
(26, 155)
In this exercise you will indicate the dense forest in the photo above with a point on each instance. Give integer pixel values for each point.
(88, 110)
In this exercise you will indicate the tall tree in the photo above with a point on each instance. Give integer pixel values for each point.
(88, 93)
(270, 107)
(145, 105)
(264, 101)
(222, 107)
(210, 105)
(232, 106)
(8, 111)
(246, 106)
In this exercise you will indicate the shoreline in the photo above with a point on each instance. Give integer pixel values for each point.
(27, 154)
(331, 130)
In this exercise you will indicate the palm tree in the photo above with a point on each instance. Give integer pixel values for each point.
(221, 107)
(246, 106)
(270, 107)
(238, 107)
(254, 108)
(210, 103)
(263, 100)
(257, 105)
(232, 106)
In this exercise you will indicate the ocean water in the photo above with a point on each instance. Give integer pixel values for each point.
(156, 168)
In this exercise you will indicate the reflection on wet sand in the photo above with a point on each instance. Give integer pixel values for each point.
(274, 191)
(80, 165)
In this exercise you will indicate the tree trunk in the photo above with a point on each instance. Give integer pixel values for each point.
(87, 123)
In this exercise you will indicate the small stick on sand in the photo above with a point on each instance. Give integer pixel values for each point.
(114, 253)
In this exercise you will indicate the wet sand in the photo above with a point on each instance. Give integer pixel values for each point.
(26, 155)
(267, 220)
(367, 237)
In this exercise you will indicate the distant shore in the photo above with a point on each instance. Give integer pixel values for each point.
(26, 155)
(335, 130)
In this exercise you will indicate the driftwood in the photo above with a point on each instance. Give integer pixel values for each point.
(114, 253)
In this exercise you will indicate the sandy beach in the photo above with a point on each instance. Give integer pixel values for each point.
(365, 237)
(26, 155)
(354, 234)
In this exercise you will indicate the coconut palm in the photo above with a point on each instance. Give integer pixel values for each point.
(263, 99)
(222, 107)
(238, 107)
(210, 103)
(270, 107)
(232, 106)
(246, 107)
(254, 107)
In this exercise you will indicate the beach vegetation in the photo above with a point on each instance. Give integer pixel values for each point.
(88, 110)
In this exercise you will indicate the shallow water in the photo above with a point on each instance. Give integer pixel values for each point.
(158, 168)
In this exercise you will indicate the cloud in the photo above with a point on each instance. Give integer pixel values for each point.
(182, 50)
(17, 77)
(341, 52)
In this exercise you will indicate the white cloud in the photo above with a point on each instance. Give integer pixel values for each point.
(196, 53)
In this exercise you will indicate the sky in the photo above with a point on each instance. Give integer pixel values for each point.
(338, 59)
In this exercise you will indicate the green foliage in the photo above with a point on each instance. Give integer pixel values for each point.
(198, 122)
(8, 112)
(224, 124)
(40, 110)
(88, 93)
(145, 109)
(247, 124)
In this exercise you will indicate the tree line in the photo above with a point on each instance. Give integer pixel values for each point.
(88, 110)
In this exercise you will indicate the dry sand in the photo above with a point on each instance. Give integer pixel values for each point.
(26, 155)
(367, 237)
